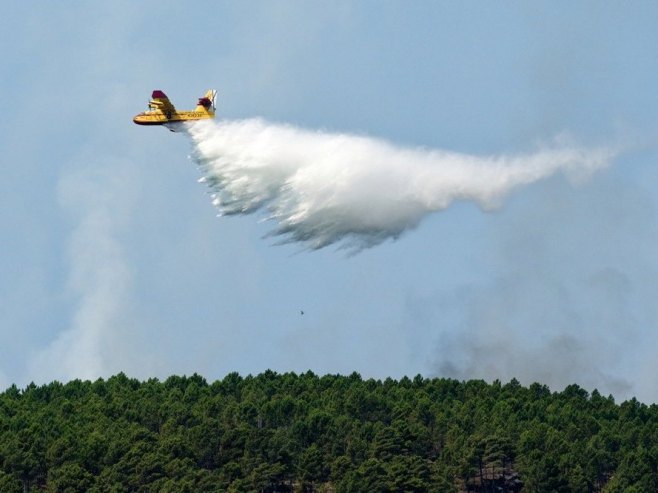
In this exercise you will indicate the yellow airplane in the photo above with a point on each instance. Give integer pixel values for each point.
(161, 111)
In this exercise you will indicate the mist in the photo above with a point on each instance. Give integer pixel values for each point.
(323, 188)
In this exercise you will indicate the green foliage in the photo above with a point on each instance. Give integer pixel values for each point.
(305, 433)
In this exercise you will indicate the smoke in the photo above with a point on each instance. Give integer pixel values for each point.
(540, 328)
(568, 296)
(97, 341)
(325, 188)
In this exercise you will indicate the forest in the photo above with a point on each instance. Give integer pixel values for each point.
(308, 433)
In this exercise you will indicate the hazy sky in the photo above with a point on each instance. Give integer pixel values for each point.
(112, 257)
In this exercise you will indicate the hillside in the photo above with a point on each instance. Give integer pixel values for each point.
(303, 432)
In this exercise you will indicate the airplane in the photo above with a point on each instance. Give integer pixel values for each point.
(162, 112)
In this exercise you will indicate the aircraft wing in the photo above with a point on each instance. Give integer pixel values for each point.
(160, 100)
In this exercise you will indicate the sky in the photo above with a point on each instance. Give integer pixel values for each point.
(113, 257)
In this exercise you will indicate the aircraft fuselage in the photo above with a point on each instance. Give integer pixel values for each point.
(161, 111)
(157, 117)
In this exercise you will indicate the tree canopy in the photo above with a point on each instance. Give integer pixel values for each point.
(303, 432)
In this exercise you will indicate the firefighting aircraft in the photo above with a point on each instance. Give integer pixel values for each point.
(162, 112)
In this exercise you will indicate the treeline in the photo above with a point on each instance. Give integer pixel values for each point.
(285, 433)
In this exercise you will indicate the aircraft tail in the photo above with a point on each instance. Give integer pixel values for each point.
(207, 102)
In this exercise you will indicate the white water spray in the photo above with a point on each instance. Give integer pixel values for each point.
(324, 188)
